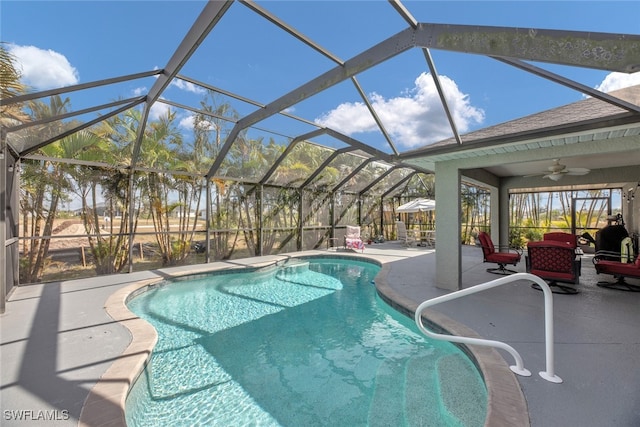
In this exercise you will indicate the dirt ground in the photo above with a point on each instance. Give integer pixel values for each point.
(64, 231)
(68, 228)
(67, 260)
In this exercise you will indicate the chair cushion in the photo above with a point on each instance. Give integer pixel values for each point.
(551, 255)
(556, 236)
(353, 232)
(504, 257)
(621, 268)
(552, 260)
(354, 243)
(487, 244)
(553, 275)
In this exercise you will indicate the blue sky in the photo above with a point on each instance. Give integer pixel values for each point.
(65, 43)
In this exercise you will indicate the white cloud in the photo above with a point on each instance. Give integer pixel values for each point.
(187, 123)
(44, 69)
(415, 118)
(139, 91)
(615, 81)
(189, 87)
(158, 109)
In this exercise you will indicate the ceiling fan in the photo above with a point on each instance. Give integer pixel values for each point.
(557, 170)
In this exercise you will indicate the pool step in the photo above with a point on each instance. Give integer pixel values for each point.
(455, 374)
(423, 405)
(435, 393)
(297, 272)
(393, 406)
(292, 267)
(387, 404)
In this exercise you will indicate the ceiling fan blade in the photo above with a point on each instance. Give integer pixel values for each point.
(577, 171)
(553, 176)
(557, 170)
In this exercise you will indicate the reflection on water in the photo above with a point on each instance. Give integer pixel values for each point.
(308, 346)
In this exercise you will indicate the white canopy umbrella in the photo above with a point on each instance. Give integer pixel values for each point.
(418, 205)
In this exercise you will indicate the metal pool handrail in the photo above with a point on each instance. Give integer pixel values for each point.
(519, 369)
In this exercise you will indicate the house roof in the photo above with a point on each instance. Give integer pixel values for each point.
(587, 120)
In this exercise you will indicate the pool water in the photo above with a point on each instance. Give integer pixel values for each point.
(310, 344)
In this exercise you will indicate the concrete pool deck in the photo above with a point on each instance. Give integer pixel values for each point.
(58, 341)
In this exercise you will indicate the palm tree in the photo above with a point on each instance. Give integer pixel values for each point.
(110, 242)
(160, 150)
(44, 187)
(10, 86)
(210, 129)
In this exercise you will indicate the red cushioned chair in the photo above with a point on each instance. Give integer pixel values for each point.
(569, 239)
(493, 254)
(618, 270)
(558, 236)
(553, 262)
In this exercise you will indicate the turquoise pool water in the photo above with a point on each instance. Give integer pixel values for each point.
(306, 345)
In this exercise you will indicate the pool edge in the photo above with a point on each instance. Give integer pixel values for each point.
(105, 403)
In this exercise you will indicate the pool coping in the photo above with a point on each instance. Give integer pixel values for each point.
(106, 401)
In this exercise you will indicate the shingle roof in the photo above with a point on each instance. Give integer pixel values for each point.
(578, 112)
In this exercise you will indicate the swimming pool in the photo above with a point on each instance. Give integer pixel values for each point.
(310, 343)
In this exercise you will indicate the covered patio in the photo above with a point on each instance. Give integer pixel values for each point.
(515, 156)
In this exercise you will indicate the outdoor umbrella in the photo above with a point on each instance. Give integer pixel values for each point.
(417, 205)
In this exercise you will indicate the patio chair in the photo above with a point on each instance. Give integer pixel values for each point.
(555, 262)
(569, 239)
(559, 236)
(352, 239)
(498, 255)
(619, 270)
(431, 238)
(405, 236)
